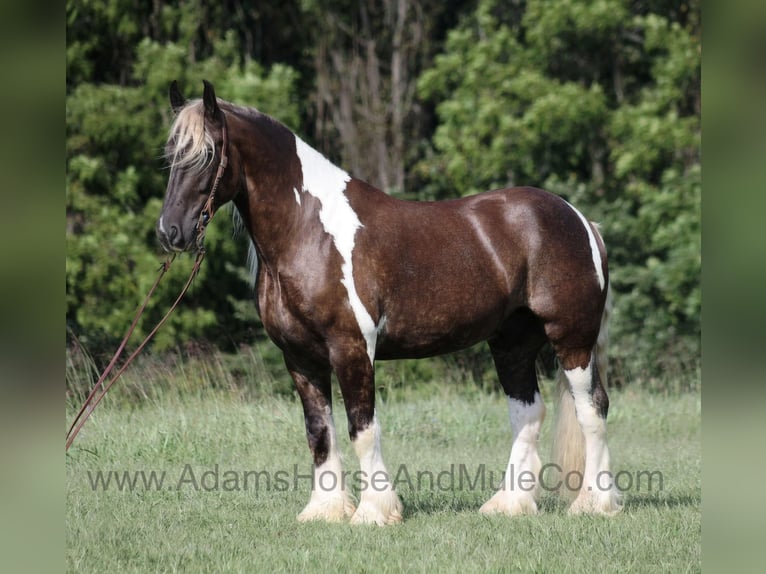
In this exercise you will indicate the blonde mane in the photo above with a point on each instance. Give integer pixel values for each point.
(189, 145)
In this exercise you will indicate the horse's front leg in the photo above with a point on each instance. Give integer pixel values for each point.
(378, 503)
(329, 500)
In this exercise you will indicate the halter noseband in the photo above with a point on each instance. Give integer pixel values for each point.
(208, 210)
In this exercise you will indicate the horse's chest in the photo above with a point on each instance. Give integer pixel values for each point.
(284, 322)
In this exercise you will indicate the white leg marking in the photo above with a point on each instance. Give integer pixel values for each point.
(379, 504)
(329, 500)
(517, 496)
(327, 183)
(598, 493)
(594, 251)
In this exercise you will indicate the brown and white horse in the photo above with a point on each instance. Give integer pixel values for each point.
(347, 274)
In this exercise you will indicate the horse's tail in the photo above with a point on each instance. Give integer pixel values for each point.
(568, 451)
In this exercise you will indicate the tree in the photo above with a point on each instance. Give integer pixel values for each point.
(367, 58)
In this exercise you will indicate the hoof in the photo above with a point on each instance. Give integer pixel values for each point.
(510, 504)
(336, 509)
(382, 509)
(606, 503)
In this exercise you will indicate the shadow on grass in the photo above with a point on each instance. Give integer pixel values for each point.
(420, 504)
(416, 506)
(659, 500)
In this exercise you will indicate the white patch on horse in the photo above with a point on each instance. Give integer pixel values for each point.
(378, 502)
(297, 195)
(598, 493)
(595, 253)
(162, 227)
(518, 493)
(327, 183)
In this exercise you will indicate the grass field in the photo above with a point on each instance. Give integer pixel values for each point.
(207, 481)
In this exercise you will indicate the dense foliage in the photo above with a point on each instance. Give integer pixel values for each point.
(597, 100)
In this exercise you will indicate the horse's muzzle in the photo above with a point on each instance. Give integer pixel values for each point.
(173, 239)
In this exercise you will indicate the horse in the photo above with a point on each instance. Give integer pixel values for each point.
(346, 274)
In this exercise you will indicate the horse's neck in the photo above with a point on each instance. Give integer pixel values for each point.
(283, 205)
(270, 226)
(273, 224)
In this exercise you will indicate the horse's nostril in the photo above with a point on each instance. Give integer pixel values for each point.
(173, 233)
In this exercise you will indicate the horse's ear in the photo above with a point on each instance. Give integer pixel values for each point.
(177, 100)
(211, 104)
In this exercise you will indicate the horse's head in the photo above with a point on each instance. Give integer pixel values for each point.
(199, 182)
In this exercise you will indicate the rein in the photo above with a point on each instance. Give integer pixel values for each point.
(100, 389)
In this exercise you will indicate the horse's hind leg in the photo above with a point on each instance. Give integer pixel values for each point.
(329, 500)
(598, 493)
(514, 352)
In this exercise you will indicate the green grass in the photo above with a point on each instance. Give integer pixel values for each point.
(208, 529)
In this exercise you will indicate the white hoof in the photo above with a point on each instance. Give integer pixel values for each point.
(381, 509)
(509, 503)
(335, 509)
(607, 503)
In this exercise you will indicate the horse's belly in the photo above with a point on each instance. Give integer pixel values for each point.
(387, 351)
(437, 336)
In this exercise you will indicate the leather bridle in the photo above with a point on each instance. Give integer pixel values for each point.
(209, 209)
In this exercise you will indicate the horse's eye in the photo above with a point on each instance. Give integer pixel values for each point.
(205, 218)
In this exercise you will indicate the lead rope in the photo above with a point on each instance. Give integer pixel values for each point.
(99, 389)
(204, 218)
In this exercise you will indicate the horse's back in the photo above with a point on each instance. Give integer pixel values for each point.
(498, 236)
